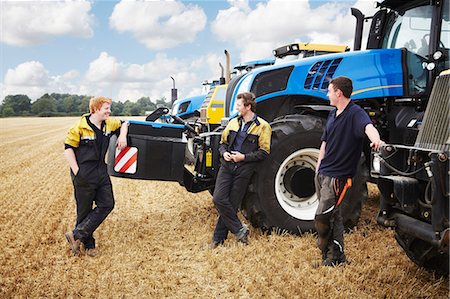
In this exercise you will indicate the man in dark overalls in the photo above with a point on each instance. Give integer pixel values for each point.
(85, 149)
(245, 141)
(339, 154)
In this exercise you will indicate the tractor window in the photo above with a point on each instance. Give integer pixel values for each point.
(220, 94)
(444, 43)
(410, 30)
(445, 29)
(183, 107)
(271, 81)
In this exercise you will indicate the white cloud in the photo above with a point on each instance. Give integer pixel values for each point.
(30, 73)
(33, 79)
(159, 24)
(118, 80)
(34, 22)
(240, 4)
(103, 69)
(70, 75)
(123, 81)
(275, 23)
(30, 78)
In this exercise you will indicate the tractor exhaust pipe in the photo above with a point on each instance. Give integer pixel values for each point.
(358, 29)
(222, 78)
(228, 68)
(174, 91)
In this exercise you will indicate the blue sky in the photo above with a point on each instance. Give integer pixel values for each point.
(126, 50)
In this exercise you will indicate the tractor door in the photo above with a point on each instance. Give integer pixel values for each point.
(155, 152)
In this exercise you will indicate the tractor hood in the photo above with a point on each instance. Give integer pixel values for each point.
(375, 74)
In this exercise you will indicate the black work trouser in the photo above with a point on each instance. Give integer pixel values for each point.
(328, 218)
(231, 185)
(96, 187)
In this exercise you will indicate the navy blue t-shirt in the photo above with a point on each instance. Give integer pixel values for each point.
(344, 136)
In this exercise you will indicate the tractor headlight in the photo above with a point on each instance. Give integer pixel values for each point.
(437, 55)
(431, 66)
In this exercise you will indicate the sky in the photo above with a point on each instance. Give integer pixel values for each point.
(126, 50)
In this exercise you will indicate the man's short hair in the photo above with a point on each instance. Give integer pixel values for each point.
(344, 84)
(97, 102)
(248, 98)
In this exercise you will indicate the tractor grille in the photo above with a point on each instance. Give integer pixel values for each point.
(434, 133)
(320, 74)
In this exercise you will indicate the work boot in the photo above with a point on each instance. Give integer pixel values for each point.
(335, 261)
(92, 252)
(75, 245)
(214, 244)
(242, 235)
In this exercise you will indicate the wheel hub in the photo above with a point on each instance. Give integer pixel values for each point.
(299, 181)
(294, 184)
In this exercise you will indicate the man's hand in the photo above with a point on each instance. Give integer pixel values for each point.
(374, 137)
(121, 142)
(376, 145)
(227, 156)
(237, 156)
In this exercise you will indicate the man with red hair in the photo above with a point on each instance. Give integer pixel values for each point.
(85, 149)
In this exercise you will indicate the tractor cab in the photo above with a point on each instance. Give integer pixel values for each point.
(421, 29)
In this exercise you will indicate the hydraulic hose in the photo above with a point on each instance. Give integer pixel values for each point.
(392, 168)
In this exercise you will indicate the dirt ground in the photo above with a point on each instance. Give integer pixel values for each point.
(154, 243)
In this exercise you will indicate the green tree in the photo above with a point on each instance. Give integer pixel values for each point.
(117, 108)
(70, 104)
(20, 104)
(83, 106)
(145, 104)
(163, 102)
(60, 101)
(7, 111)
(44, 106)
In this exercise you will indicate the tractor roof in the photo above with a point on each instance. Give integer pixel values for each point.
(400, 5)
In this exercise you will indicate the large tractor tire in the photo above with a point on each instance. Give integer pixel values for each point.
(282, 195)
(424, 254)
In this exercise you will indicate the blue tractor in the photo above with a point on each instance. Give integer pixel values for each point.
(188, 108)
(397, 80)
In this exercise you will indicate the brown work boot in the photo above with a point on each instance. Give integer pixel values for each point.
(215, 244)
(75, 245)
(92, 252)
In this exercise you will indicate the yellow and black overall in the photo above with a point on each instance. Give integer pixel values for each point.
(91, 183)
(253, 140)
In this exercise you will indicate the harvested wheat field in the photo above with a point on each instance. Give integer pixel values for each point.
(154, 243)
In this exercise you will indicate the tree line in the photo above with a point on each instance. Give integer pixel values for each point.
(56, 104)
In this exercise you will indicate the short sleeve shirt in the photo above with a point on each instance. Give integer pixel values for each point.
(344, 135)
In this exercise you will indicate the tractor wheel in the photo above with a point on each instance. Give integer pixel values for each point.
(282, 193)
(424, 254)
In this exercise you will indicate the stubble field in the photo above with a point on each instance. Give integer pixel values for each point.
(154, 243)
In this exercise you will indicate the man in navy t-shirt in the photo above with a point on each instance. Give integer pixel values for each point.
(340, 152)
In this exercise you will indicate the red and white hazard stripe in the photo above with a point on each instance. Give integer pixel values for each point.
(126, 160)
